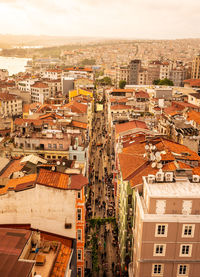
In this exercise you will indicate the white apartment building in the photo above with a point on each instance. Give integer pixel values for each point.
(39, 92)
(52, 74)
(25, 85)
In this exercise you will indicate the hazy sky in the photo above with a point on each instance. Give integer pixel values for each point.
(104, 18)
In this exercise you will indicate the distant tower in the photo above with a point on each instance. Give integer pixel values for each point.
(196, 68)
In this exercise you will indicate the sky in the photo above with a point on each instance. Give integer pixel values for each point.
(129, 19)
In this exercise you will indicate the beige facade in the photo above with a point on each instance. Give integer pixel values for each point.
(10, 105)
(122, 73)
(196, 68)
(167, 226)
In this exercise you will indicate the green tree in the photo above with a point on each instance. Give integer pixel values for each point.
(122, 84)
(164, 82)
(106, 81)
(88, 62)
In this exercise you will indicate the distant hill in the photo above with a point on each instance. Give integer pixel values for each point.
(9, 41)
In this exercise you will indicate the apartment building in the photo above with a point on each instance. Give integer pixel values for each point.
(52, 74)
(177, 76)
(143, 77)
(50, 201)
(10, 104)
(39, 92)
(196, 68)
(153, 71)
(134, 67)
(164, 70)
(122, 73)
(167, 222)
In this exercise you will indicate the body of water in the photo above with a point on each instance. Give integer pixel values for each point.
(13, 65)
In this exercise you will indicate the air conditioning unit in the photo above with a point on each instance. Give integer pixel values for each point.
(169, 176)
(195, 178)
(160, 176)
(151, 179)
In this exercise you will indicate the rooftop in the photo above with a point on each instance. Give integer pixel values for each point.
(176, 189)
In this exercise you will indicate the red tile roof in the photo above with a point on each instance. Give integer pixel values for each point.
(121, 107)
(39, 85)
(60, 180)
(118, 100)
(7, 97)
(195, 116)
(76, 107)
(141, 94)
(79, 124)
(124, 127)
(122, 90)
(192, 82)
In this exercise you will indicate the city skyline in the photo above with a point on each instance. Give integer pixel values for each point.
(144, 19)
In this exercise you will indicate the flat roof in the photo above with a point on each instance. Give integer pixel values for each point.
(178, 189)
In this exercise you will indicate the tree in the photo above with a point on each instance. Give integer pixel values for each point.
(88, 62)
(164, 82)
(106, 81)
(122, 84)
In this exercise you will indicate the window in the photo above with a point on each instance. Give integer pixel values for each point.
(188, 230)
(159, 249)
(157, 269)
(55, 146)
(79, 254)
(161, 230)
(61, 146)
(183, 270)
(79, 234)
(79, 214)
(79, 272)
(48, 157)
(49, 145)
(185, 250)
(79, 195)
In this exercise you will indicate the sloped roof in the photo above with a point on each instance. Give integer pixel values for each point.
(193, 115)
(12, 243)
(61, 180)
(32, 159)
(120, 107)
(123, 127)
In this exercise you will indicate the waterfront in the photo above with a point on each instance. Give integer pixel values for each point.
(13, 65)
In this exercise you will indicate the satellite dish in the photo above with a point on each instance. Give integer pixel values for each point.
(58, 162)
(152, 157)
(53, 168)
(153, 165)
(63, 163)
(158, 158)
(159, 165)
(154, 147)
(146, 147)
(157, 154)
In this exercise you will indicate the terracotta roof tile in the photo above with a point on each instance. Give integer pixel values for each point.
(195, 116)
(124, 127)
(39, 85)
(13, 166)
(121, 107)
(79, 124)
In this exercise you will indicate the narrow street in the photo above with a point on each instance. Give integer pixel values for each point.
(101, 229)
